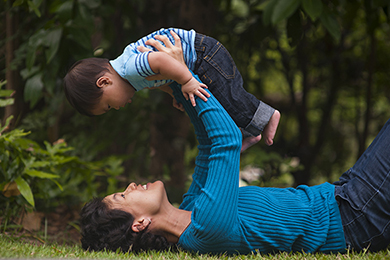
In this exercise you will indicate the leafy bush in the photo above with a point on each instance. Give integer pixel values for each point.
(36, 178)
(275, 170)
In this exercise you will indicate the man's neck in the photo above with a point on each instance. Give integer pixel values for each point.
(173, 223)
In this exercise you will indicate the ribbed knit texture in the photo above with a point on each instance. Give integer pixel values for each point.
(229, 219)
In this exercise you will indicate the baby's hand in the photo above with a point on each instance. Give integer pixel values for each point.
(192, 88)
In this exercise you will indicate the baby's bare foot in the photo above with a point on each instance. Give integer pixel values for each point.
(270, 129)
(249, 141)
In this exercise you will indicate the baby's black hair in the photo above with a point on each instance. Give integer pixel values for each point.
(80, 84)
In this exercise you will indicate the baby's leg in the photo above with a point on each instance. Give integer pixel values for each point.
(216, 68)
(268, 133)
(249, 141)
(270, 129)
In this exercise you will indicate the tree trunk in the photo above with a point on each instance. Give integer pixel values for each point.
(304, 151)
(168, 134)
(368, 94)
(309, 153)
(12, 74)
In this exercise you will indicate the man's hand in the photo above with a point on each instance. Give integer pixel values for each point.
(194, 88)
(175, 51)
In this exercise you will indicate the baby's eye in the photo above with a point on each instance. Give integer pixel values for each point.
(123, 195)
(109, 107)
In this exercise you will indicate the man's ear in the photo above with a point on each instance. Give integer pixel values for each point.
(103, 81)
(140, 224)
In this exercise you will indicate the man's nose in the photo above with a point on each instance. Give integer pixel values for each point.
(131, 187)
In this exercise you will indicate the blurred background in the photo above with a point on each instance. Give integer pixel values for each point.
(323, 64)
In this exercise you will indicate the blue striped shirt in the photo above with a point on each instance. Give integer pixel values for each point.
(133, 65)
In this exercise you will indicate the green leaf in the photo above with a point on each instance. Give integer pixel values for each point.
(59, 185)
(33, 89)
(34, 43)
(91, 3)
(25, 143)
(84, 20)
(13, 135)
(17, 3)
(25, 190)
(40, 164)
(63, 160)
(6, 123)
(6, 102)
(313, 8)
(64, 10)
(53, 38)
(30, 57)
(2, 83)
(268, 10)
(41, 174)
(28, 73)
(34, 7)
(294, 29)
(54, 149)
(331, 24)
(80, 36)
(6, 92)
(284, 9)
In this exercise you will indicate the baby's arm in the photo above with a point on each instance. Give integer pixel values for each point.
(169, 68)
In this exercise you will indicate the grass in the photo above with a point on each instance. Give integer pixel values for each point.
(12, 247)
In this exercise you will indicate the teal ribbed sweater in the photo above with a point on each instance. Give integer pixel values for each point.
(229, 219)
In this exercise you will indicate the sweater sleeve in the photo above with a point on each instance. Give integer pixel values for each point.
(215, 205)
(201, 162)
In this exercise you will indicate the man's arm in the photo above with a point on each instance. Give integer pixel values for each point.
(175, 104)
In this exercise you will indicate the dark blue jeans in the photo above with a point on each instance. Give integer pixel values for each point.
(216, 68)
(363, 194)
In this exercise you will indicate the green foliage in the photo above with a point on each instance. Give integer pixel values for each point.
(47, 177)
(313, 8)
(276, 171)
(277, 11)
(323, 64)
(32, 5)
(45, 49)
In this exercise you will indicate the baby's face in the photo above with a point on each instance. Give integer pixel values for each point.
(117, 92)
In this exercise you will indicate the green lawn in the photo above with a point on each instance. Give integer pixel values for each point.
(11, 247)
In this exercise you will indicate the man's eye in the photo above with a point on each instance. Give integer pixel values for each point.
(123, 195)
